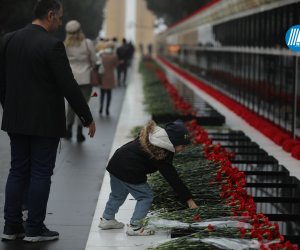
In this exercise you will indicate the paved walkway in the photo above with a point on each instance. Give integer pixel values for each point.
(76, 182)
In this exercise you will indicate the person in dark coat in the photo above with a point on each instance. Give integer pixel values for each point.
(35, 77)
(123, 53)
(131, 50)
(152, 151)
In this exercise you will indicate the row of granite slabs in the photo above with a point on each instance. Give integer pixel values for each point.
(205, 114)
(275, 192)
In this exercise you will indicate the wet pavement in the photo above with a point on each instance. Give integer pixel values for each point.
(76, 181)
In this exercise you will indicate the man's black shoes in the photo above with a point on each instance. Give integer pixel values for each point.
(45, 235)
(13, 232)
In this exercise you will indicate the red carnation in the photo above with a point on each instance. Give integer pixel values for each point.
(196, 217)
(243, 232)
(210, 228)
(94, 94)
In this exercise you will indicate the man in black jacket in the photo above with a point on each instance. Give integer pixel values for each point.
(123, 54)
(35, 77)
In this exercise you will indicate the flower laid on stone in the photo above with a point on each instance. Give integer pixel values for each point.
(94, 94)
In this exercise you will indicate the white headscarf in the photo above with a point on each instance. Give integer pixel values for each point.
(159, 137)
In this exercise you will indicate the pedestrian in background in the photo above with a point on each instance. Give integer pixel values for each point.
(36, 77)
(82, 56)
(100, 46)
(109, 63)
(116, 43)
(141, 46)
(150, 50)
(131, 50)
(123, 54)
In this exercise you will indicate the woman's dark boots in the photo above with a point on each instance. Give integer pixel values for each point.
(80, 136)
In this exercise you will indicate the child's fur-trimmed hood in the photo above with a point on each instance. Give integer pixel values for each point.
(158, 153)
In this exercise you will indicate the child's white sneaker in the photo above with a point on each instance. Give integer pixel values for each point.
(138, 231)
(110, 224)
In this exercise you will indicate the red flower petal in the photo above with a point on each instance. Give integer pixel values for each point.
(94, 94)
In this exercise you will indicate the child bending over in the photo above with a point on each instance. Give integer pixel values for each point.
(152, 151)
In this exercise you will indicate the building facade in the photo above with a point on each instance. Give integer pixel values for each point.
(144, 26)
(115, 24)
(114, 14)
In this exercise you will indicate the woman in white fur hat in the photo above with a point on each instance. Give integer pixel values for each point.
(152, 151)
(82, 56)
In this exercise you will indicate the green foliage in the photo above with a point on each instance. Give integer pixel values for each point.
(157, 100)
(135, 132)
(15, 14)
(196, 172)
(193, 241)
(203, 212)
(174, 10)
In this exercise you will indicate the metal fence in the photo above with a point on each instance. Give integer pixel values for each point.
(250, 63)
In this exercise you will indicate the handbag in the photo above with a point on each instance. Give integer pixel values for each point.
(95, 77)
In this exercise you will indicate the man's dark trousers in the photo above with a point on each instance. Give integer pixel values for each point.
(122, 70)
(32, 161)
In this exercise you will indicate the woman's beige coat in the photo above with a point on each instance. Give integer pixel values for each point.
(82, 59)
